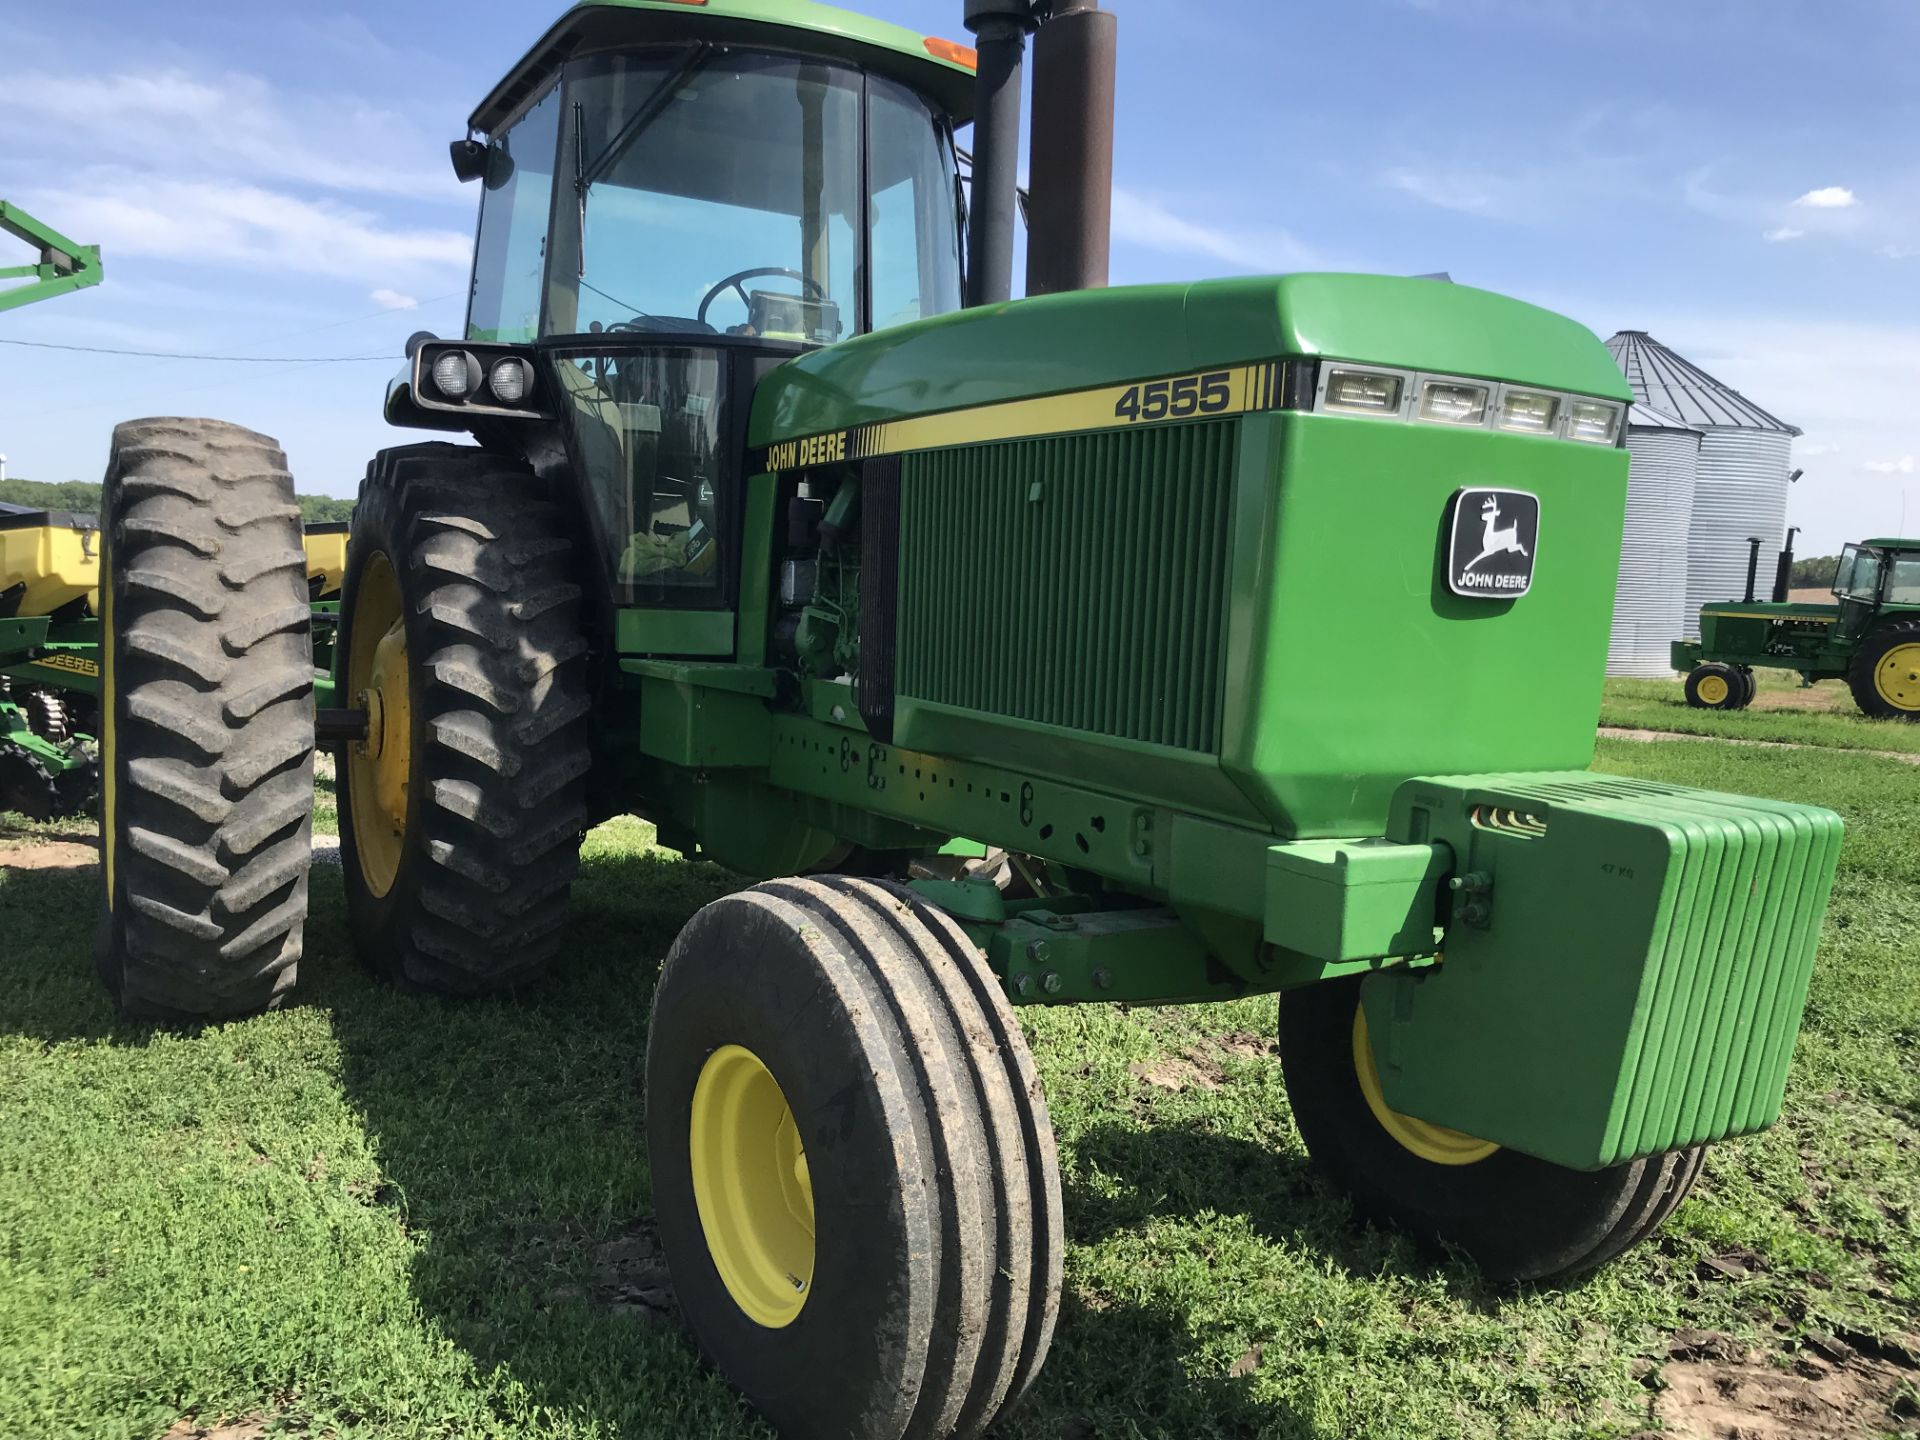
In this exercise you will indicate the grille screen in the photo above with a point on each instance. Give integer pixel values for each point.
(1078, 581)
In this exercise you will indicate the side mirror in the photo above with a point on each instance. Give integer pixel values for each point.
(469, 159)
(417, 339)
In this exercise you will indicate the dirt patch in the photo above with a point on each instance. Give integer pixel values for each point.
(49, 855)
(1178, 1072)
(190, 1427)
(1247, 1045)
(630, 1276)
(1617, 732)
(1819, 699)
(1715, 1390)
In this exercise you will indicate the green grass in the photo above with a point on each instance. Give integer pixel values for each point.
(368, 1215)
(1824, 715)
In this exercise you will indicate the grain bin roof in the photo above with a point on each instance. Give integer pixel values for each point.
(1683, 390)
(1642, 416)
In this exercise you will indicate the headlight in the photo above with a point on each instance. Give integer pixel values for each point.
(1528, 411)
(1453, 402)
(1363, 392)
(1594, 421)
(508, 381)
(456, 374)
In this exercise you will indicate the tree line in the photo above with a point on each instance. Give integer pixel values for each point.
(84, 496)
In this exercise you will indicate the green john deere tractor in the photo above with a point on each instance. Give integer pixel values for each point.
(1869, 637)
(785, 530)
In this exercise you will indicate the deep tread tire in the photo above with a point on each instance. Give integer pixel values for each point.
(940, 1234)
(208, 730)
(1714, 670)
(1518, 1218)
(499, 753)
(1866, 659)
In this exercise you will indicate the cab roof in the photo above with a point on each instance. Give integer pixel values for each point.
(598, 25)
(1885, 544)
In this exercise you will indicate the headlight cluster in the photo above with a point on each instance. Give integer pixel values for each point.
(459, 377)
(1468, 404)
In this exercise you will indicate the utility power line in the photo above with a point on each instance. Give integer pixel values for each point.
(224, 359)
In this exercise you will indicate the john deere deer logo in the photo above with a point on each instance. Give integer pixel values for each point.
(1493, 539)
(1492, 536)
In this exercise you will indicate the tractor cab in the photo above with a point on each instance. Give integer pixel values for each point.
(1874, 576)
(673, 201)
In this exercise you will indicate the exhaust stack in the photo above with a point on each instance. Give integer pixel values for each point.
(1001, 28)
(1070, 167)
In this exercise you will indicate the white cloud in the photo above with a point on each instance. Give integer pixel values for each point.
(214, 221)
(393, 300)
(1804, 451)
(1139, 220)
(1828, 197)
(1902, 466)
(1783, 234)
(232, 125)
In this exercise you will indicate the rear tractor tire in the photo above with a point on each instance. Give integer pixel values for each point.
(1518, 1218)
(853, 1169)
(1885, 674)
(1714, 686)
(206, 722)
(461, 813)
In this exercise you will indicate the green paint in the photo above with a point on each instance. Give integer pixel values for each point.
(63, 266)
(1637, 979)
(1422, 680)
(673, 632)
(1060, 343)
(1340, 900)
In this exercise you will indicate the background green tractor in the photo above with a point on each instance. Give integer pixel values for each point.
(1869, 637)
(786, 531)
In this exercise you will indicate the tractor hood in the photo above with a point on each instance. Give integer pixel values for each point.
(1085, 339)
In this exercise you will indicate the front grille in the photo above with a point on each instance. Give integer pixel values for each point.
(1077, 582)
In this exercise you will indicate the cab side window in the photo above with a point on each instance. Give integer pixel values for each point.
(511, 248)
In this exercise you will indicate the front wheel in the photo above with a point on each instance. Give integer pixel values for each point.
(1885, 675)
(853, 1169)
(1517, 1217)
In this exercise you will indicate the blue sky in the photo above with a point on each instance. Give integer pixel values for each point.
(1740, 177)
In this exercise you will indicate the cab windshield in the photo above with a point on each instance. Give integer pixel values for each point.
(1858, 577)
(719, 192)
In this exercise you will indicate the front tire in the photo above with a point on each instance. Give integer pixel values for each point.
(852, 1163)
(1517, 1217)
(206, 722)
(461, 814)
(1885, 674)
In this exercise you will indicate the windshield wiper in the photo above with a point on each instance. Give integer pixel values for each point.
(649, 111)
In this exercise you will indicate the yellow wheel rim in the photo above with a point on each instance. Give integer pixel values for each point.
(1430, 1142)
(1897, 677)
(380, 767)
(1714, 690)
(751, 1186)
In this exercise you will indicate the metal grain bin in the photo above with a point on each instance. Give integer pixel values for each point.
(1650, 605)
(1740, 493)
(1741, 479)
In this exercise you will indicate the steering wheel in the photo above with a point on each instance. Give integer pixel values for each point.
(732, 282)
